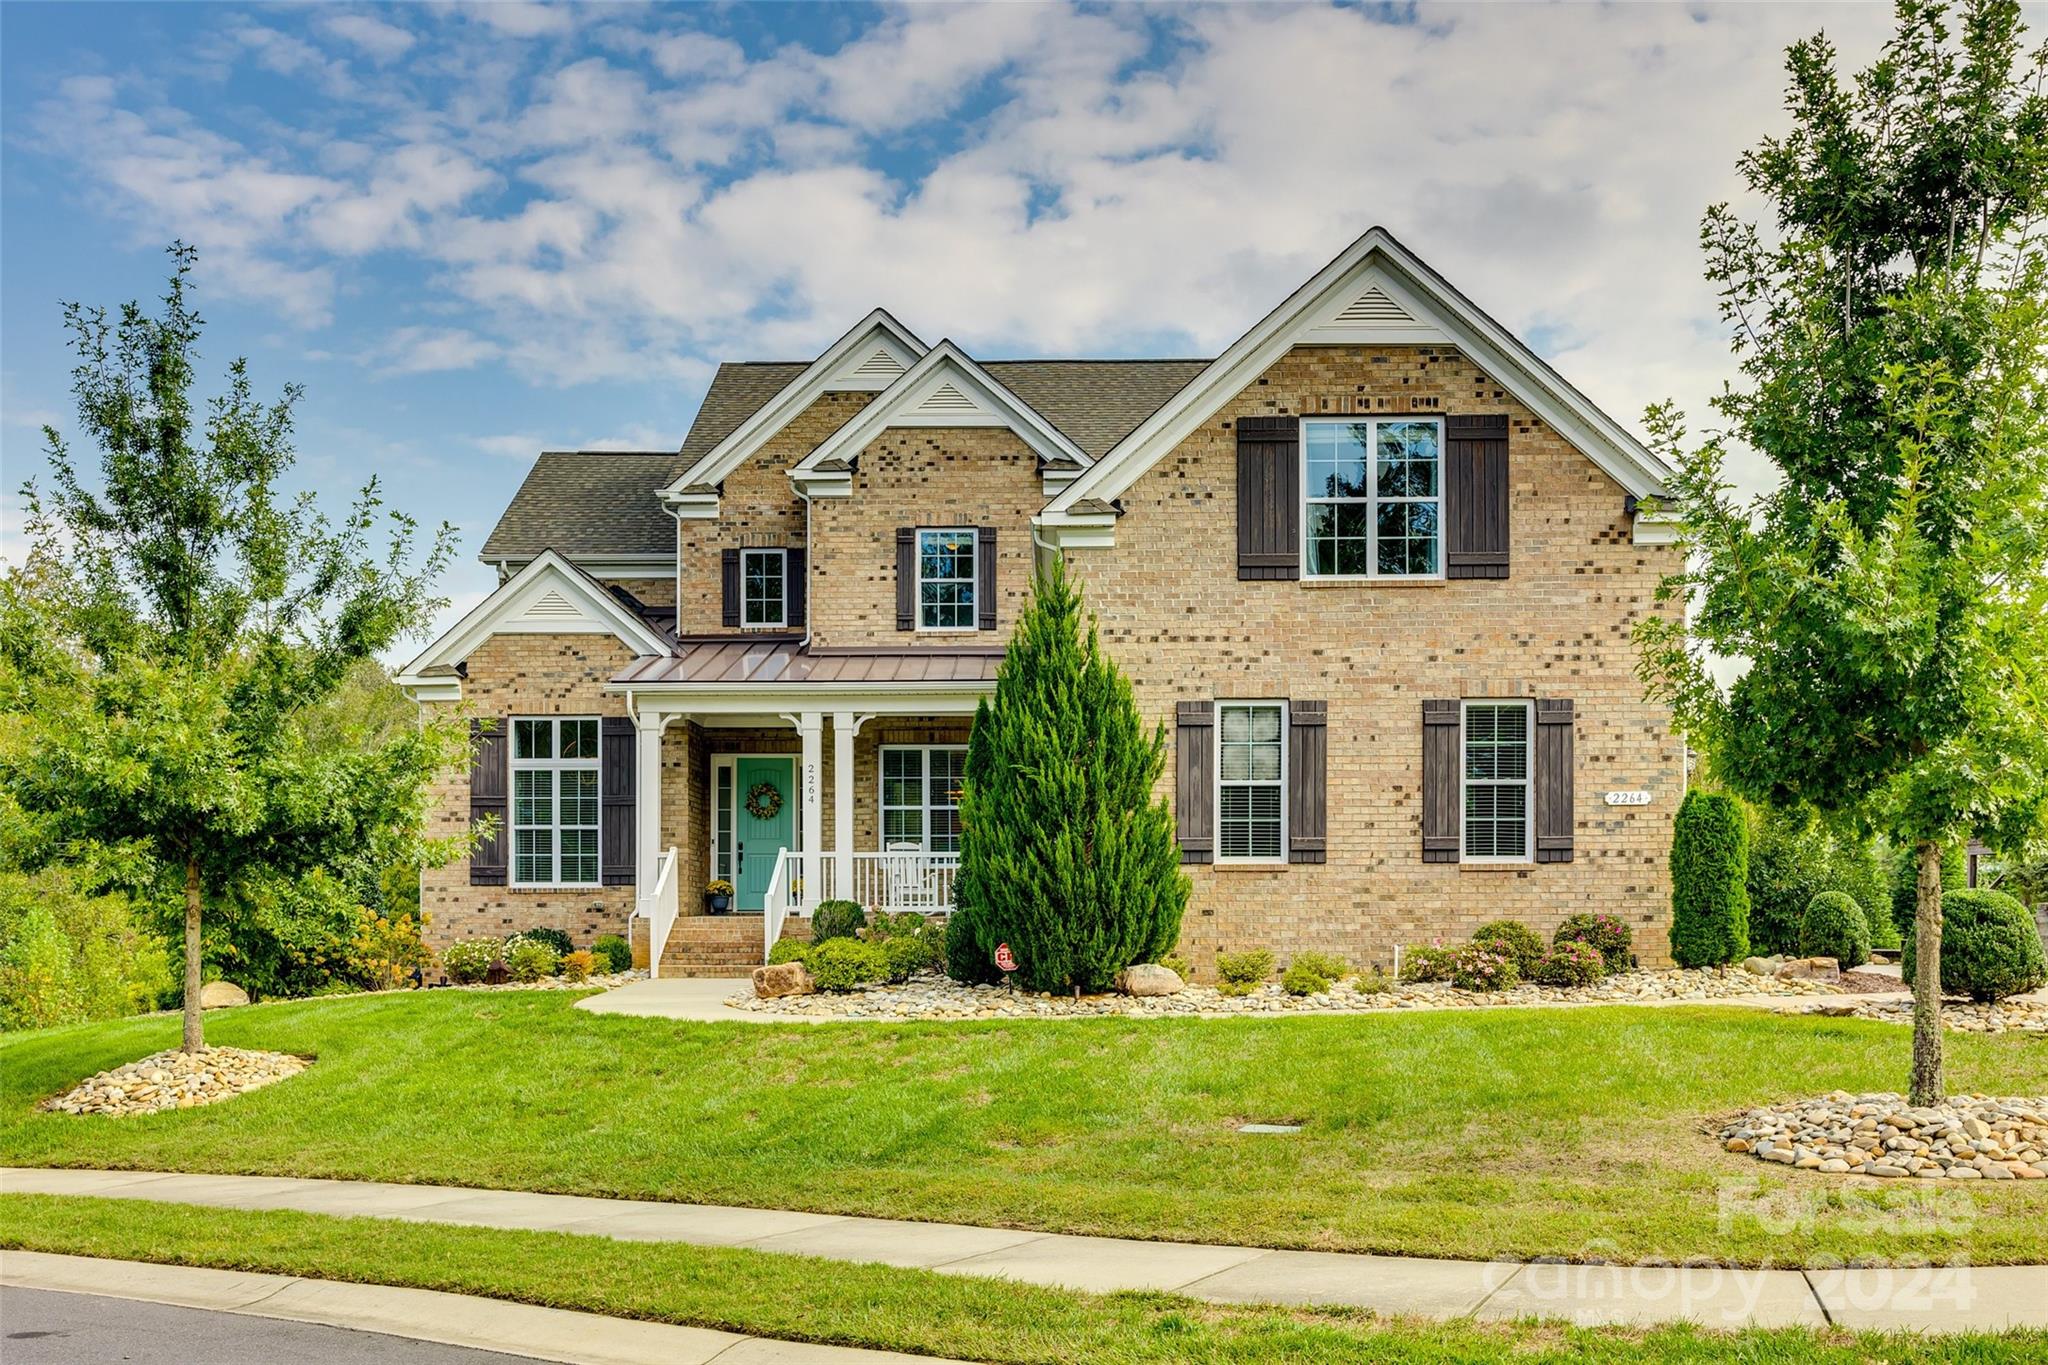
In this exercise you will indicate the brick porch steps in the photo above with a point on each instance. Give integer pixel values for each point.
(720, 945)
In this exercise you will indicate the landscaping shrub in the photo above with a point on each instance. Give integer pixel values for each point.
(1068, 854)
(788, 950)
(884, 925)
(1709, 881)
(1788, 866)
(576, 966)
(1482, 967)
(468, 960)
(1178, 966)
(1834, 926)
(554, 938)
(843, 964)
(837, 919)
(1373, 982)
(1906, 884)
(1248, 968)
(1312, 973)
(1607, 935)
(1427, 963)
(1570, 964)
(1513, 940)
(615, 951)
(68, 955)
(1989, 947)
(529, 959)
(909, 954)
(386, 952)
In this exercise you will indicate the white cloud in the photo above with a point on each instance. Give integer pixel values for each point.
(424, 350)
(522, 18)
(371, 36)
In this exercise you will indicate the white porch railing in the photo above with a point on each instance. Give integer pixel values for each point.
(893, 881)
(658, 907)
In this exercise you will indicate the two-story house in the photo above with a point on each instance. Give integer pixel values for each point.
(1374, 567)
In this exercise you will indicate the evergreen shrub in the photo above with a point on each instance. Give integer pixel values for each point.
(1709, 881)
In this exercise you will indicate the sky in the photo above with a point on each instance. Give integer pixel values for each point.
(477, 231)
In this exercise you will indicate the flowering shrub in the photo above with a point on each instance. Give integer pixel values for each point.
(576, 966)
(530, 959)
(1571, 964)
(1431, 963)
(1608, 936)
(1514, 940)
(386, 951)
(1482, 967)
(468, 960)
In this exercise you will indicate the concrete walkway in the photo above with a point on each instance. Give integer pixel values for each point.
(696, 999)
(1988, 1298)
(517, 1329)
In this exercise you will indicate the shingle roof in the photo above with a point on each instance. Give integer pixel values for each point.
(1095, 403)
(737, 392)
(587, 502)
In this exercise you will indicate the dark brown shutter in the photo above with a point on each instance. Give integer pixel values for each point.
(616, 766)
(488, 750)
(1194, 771)
(729, 585)
(1268, 497)
(1307, 764)
(796, 587)
(1553, 780)
(985, 577)
(1440, 784)
(906, 578)
(1476, 496)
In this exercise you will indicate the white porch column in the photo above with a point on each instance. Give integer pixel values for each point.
(844, 728)
(808, 726)
(647, 799)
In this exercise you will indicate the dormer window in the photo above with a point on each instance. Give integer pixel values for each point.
(764, 587)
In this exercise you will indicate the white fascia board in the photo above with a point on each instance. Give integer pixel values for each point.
(831, 371)
(726, 699)
(612, 566)
(898, 406)
(1655, 528)
(1374, 257)
(439, 687)
(503, 612)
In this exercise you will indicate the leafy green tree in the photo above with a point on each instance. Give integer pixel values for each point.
(1709, 871)
(1889, 597)
(67, 955)
(174, 628)
(1066, 854)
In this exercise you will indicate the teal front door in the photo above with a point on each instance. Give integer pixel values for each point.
(756, 841)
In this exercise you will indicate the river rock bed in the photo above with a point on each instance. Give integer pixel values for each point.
(176, 1080)
(934, 997)
(596, 981)
(1964, 1016)
(1971, 1137)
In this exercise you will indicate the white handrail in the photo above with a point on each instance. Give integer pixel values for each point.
(775, 902)
(898, 879)
(659, 908)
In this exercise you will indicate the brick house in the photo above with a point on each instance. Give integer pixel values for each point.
(1374, 567)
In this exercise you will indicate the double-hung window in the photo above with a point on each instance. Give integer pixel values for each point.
(1251, 754)
(945, 579)
(1496, 756)
(554, 802)
(1374, 500)
(764, 587)
(921, 798)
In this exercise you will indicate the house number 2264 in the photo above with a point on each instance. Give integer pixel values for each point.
(1628, 798)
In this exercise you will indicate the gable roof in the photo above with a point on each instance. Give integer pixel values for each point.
(1095, 402)
(587, 502)
(738, 390)
(1376, 289)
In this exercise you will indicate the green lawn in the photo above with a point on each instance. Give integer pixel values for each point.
(1516, 1133)
(803, 1299)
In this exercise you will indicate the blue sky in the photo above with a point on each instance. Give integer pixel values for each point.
(474, 231)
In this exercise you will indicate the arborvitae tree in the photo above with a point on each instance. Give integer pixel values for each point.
(1066, 853)
(1709, 871)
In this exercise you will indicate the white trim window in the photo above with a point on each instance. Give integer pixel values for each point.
(945, 578)
(1373, 491)
(1497, 743)
(764, 588)
(1251, 781)
(920, 796)
(554, 801)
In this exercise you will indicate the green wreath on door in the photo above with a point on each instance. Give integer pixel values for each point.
(764, 801)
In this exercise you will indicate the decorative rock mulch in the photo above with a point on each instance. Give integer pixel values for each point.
(596, 981)
(176, 1080)
(932, 997)
(1971, 1137)
(1964, 1016)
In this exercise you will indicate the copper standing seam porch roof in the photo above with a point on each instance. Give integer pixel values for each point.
(783, 660)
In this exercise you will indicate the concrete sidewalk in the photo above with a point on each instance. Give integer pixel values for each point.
(499, 1325)
(1986, 1298)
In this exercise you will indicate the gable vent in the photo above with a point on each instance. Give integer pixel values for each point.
(946, 398)
(1374, 309)
(553, 604)
(880, 365)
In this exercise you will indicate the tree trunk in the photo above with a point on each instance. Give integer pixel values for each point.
(1927, 1087)
(195, 1034)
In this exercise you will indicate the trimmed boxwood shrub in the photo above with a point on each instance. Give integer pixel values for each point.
(788, 950)
(614, 952)
(1248, 968)
(1709, 882)
(1312, 973)
(1481, 967)
(1607, 936)
(1835, 926)
(844, 964)
(1517, 941)
(909, 954)
(1989, 947)
(837, 919)
(1570, 964)
(554, 938)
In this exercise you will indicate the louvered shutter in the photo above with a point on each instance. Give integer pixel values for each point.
(1476, 496)
(1553, 780)
(985, 577)
(489, 750)
(796, 587)
(1194, 769)
(906, 578)
(1440, 785)
(1307, 780)
(729, 586)
(1268, 497)
(616, 762)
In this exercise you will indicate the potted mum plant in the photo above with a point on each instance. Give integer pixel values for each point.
(718, 896)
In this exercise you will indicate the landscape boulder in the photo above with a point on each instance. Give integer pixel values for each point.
(1762, 966)
(1810, 969)
(1149, 978)
(221, 994)
(782, 978)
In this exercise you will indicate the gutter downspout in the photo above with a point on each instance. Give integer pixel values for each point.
(675, 512)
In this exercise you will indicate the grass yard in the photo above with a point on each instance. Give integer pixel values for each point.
(1483, 1133)
(799, 1298)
